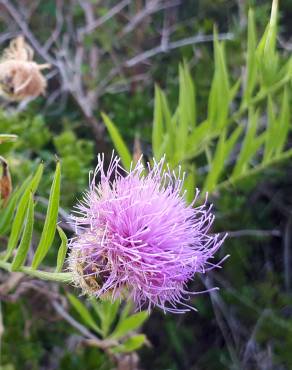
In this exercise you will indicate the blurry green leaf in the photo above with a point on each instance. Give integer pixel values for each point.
(84, 313)
(7, 138)
(24, 245)
(250, 144)
(7, 213)
(251, 57)
(219, 97)
(107, 311)
(266, 54)
(186, 109)
(49, 229)
(283, 124)
(21, 211)
(157, 131)
(119, 144)
(271, 133)
(189, 185)
(222, 152)
(128, 324)
(62, 250)
(197, 140)
(131, 344)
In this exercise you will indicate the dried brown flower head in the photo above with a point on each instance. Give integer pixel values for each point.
(5, 182)
(20, 76)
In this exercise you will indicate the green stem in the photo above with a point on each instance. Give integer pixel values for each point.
(253, 171)
(260, 96)
(61, 277)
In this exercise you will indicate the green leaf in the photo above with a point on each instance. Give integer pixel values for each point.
(283, 124)
(62, 250)
(189, 185)
(24, 245)
(190, 95)
(222, 152)
(198, 139)
(186, 109)
(157, 131)
(107, 311)
(4, 138)
(219, 97)
(128, 324)
(49, 229)
(271, 133)
(250, 144)
(7, 213)
(84, 313)
(21, 211)
(266, 54)
(119, 143)
(131, 344)
(251, 73)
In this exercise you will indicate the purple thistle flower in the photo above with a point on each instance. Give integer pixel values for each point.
(136, 236)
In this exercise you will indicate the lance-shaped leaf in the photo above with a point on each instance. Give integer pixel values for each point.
(157, 130)
(128, 324)
(4, 138)
(119, 143)
(84, 313)
(131, 344)
(222, 152)
(250, 144)
(283, 124)
(24, 245)
(21, 211)
(107, 311)
(186, 109)
(251, 57)
(7, 213)
(49, 229)
(62, 250)
(219, 98)
(271, 132)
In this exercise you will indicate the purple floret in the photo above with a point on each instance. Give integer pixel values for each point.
(137, 238)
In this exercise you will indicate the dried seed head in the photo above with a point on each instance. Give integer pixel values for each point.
(20, 76)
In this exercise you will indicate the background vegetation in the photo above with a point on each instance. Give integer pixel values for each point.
(203, 82)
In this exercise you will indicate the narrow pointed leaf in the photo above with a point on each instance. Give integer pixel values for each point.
(50, 224)
(119, 143)
(21, 211)
(158, 130)
(7, 213)
(131, 344)
(62, 250)
(84, 313)
(25, 242)
(251, 57)
(130, 323)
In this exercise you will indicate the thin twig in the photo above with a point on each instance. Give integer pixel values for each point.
(174, 45)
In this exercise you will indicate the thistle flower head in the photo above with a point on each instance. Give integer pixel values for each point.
(137, 237)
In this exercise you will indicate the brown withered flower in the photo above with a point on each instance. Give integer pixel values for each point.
(20, 76)
(5, 182)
